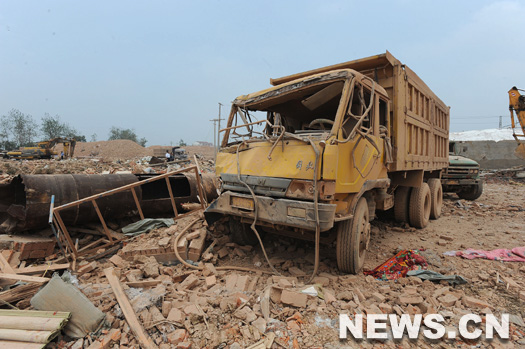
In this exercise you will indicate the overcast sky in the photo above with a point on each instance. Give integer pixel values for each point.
(162, 67)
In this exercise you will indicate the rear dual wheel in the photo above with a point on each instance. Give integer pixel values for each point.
(401, 203)
(436, 197)
(420, 206)
(353, 237)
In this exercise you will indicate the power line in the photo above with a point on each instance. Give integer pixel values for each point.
(474, 117)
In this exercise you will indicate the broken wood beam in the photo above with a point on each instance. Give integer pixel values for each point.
(4, 264)
(142, 336)
(41, 268)
(143, 284)
(19, 292)
(26, 278)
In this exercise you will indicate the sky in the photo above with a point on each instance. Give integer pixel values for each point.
(162, 67)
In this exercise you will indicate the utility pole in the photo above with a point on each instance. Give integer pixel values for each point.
(219, 129)
(500, 124)
(217, 133)
(215, 138)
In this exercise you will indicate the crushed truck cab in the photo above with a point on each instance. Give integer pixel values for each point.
(315, 155)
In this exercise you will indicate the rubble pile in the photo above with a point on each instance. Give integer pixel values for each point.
(186, 308)
(514, 175)
(206, 304)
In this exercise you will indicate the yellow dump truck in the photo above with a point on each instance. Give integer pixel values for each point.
(315, 155)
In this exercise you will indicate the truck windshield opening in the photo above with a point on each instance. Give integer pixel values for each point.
(296, 109)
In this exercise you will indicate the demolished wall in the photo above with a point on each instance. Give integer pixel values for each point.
(490, 154)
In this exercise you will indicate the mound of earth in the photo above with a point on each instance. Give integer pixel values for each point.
(120, 148)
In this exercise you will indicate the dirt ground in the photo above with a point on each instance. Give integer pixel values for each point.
(495, 220)
(235, 309)
(227, 320)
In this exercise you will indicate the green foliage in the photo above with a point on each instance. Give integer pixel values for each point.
(119, 133)
(53, 127)
(18, 128)
(182, 143)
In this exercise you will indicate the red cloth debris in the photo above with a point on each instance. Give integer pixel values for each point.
(399, 265)
(517, 254)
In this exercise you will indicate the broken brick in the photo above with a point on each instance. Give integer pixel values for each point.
(448, 300)
(475, 303)
(177, 336)
(293, 298)
(408, 299)
(175, 315)
(211, 280)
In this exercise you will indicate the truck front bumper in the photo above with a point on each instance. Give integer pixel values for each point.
(459, 182)
(293, 213)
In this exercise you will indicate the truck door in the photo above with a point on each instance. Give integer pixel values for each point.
(360, 144)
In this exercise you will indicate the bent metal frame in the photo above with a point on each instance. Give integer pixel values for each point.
(64, 239)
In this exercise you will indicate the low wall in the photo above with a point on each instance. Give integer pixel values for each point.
(490, 154)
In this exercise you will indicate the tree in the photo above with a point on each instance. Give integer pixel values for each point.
(18, 128)
(79, 138)
(182, 143)
(53, 127)
(93, 137)
(119, 133)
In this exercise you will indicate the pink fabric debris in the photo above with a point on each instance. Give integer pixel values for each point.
(520, 251)
(517, 254)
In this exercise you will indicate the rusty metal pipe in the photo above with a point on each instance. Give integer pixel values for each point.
(24, 202)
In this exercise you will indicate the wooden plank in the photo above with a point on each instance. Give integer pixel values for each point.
(4, 264)
(200, 188)
(142, 336)
(99, 214)
(143, 284)
(172, 199)
(26, 336)
(20, 345)
(35, 313)
(30, 323)
(141, 214)
(65, 233)
(25, 278)
(41, 268)
(19, 292)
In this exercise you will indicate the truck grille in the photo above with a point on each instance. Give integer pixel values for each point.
(275, 187)
(461, 171)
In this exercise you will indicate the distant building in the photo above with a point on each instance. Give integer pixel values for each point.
(202, 144)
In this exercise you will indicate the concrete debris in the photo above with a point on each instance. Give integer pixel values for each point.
(179, 307)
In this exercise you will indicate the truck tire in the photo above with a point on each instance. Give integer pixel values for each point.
(419, 207)
(472, 192)
(241, 233)
(401, 201)
(353, 236)
(436, 197)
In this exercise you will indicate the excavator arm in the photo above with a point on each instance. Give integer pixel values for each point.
(517, 106)
(69, 145)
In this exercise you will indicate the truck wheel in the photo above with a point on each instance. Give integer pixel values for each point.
(472, 192)
(420, 204)
(401, 200)
(436, 197)
(353, 236)
(241, 233)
